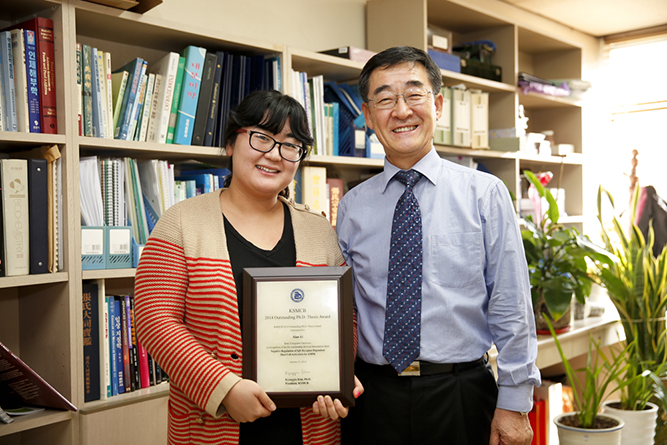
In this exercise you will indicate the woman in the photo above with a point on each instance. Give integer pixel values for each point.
(189, 282)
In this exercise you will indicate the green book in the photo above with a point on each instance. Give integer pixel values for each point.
(87, 91)
(118, 84)
(178, 86)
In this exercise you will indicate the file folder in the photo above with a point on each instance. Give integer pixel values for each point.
(92, 247)
(118, 247)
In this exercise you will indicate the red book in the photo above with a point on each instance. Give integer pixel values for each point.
(46, 70)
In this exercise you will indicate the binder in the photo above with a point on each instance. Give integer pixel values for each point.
(38, 207)
(443, 127)
(479, 125)
(118, 247)
(92, 247)
(16, 222)
(460, 117)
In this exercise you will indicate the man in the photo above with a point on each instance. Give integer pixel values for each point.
(439, 278)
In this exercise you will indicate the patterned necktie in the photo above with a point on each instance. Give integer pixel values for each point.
(402, 325)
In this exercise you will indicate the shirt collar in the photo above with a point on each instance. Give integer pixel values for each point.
(429, 166)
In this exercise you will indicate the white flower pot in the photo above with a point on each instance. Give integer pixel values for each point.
(568, 435)
(639, 426)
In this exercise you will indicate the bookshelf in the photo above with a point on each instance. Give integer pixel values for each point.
(40, 315)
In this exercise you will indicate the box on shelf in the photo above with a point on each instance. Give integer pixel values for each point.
(106, 247)
(480, 50)
(439, 38)
(562, 149)
(351, 52)
(445, 61)
(480, 69)
(92, 248)
(508, 144)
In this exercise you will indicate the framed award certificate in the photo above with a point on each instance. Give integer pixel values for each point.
(298, 333)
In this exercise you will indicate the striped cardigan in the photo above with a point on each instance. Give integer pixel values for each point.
(187, 316)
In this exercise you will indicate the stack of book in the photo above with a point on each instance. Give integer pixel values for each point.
(27, 77)
(180, 99)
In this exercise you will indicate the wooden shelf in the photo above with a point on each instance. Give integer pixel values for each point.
(35, 420)
(32, 280)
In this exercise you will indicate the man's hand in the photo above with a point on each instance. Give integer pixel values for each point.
(510, 428)
(247, 402)
(334, 409)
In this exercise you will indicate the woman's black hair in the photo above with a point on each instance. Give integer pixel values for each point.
(268, 110)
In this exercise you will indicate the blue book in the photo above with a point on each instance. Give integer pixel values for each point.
(114, 332)
(190, 187)
(7, 73)
(139, 100)
(187, 107)
(335, 112)
(203, 181)
(129, 99)
(32, 81)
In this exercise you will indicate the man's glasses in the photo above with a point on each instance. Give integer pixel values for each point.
(265, 143)
(388, 99)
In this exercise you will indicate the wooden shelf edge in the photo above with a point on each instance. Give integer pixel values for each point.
(35, 420)
(101, 274)
(31, 280)
(154, 392)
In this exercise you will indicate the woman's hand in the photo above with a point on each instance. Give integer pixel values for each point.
(334, 409)
(247, 402)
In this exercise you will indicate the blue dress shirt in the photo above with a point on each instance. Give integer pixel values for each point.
(475, 289)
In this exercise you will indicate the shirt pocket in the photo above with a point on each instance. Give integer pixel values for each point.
(456, 259)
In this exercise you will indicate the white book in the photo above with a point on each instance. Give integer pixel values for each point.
(146, 110)
(105, 366)
(109, 94)
(461, 117)
(20, 81)
(14, 173)
(167, 67)
(136, 108)
(479, 121)
(314, 189)
(104, 100)
(155, 108)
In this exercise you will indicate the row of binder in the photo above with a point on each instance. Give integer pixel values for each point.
(108, 247)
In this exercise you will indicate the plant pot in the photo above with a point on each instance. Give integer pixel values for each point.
(569, 435)
(639, 426)
(563, 324)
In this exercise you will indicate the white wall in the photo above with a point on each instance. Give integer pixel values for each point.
(314, 25)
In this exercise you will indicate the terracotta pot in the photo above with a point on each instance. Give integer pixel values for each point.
(568, 435)
(639, 426)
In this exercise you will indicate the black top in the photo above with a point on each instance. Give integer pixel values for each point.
(283, 426)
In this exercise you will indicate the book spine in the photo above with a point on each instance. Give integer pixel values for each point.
(314, 181)
(87, 91)
(125, 349)
(134, 351)
(168, 67)
(104, 119)
(204, 102)
(16, 222)
(79, 87)
(212, 116)
(129, 101)
(187, 107)
(155, 108)
(108, 87)
(119, 84)
(138, 106)
(7, 73)
(91, 345)
(335, 195)
(38, 206)
(178, 86)
(47, 74)
(20, 81)
(146, 108)
(105, 371)
(116, 347)
(98, 128)
(2, 229)
(32, 81)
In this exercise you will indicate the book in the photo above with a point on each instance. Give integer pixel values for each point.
(336, 191)
(167, 67)
(132, 343)
(20, 384)
(203, 181)
(314, 189)
(20, 81)
(98, 116)
(187, 108)
(146, 109)
(103, 324)
(32, 81)
(479, 119)
(91, 341)
(38, 205)
(443, 126)
(16, 216)
(212, 116)
(155, 108)
(104, 106)
(204, 102)
(115, 347)
(130, 98)
(87, 89)
(138, 101)
(125, 345)
(79, 87)
(461, 117)
(118, 85)
(108, 98)
(178, 86)
(2, 230)
(46, 72)
(7, 73)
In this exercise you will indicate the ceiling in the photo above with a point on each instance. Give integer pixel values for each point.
(599, 18)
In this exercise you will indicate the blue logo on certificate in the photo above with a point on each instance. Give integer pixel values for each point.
(297, 295)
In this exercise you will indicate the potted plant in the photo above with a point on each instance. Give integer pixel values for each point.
(556, 257)
(636, 282)
(587, 424)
